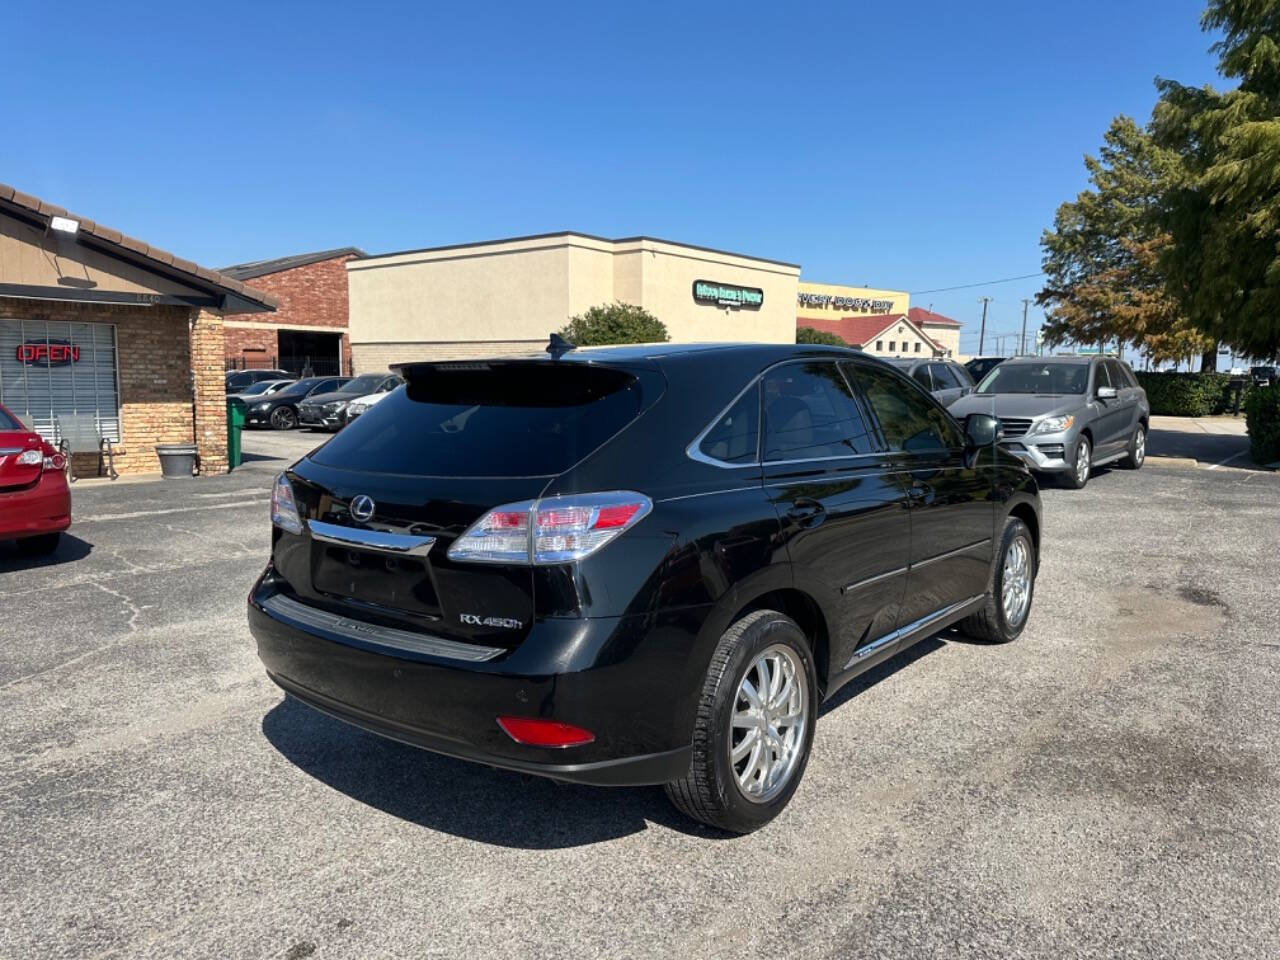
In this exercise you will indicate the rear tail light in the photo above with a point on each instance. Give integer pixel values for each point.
(55, 461)
(551, 530)
(30, 458)
(532, 732)
(284, 509)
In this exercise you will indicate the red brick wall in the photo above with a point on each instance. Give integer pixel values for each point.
(312, 296)
(258, 346)
(154, 347)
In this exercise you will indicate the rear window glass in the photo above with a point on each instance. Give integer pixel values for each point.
(8, 423)
(489, 420)
(734, 437)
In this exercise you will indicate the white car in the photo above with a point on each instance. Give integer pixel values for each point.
(360, 404)
(260, 390)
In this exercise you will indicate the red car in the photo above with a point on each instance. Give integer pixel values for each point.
(35, 501)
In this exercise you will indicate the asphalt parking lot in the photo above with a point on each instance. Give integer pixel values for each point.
(1107, 785)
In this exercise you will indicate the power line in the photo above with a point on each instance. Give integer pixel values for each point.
(969, 286)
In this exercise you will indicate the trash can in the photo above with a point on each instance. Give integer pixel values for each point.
(236, 410)
(177, 460)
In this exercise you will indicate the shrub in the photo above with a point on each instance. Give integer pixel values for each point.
(615, 322)
(1187, 394)
(1262, 419)
(810, 335)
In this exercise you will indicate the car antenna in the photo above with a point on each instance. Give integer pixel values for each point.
(558, 346)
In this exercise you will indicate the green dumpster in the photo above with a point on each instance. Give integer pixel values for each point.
(236, 409)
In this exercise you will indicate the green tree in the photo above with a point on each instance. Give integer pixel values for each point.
(1102, 256)
(615, 322)
(812, 335)
(1222, 210)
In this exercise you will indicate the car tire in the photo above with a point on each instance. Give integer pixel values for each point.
(40, 546)
(718, 788)
(283, 418)
(1004, 612)
(1078, 475)
(1137, 454)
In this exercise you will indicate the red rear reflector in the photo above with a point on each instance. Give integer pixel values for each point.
(506, 521)
(533, 732)
(616, 516)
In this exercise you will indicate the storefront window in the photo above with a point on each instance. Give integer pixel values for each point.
(52, 368)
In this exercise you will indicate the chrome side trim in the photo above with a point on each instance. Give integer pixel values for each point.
(915, 626)
(859, 584)
(400, 544)
(951, 553)
(302, 616)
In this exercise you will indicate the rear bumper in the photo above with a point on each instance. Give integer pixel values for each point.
(451, 706)
(37, 510)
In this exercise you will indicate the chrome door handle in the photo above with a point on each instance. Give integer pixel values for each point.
(400, 544)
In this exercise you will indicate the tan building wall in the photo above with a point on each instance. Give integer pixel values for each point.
(830, 301)
(901, 339)
(508, 296)
(946, 336)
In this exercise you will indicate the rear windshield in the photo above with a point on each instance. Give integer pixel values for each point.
(489, 420)
(8, 423)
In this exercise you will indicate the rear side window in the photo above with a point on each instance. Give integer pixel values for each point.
(943, 377)
(909, 421)
(734, 437)
(961, 374)
(809, 412)
(482, 419)
(921, 376)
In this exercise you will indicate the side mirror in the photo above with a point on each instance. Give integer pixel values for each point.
(1107, 393)
(982, 430)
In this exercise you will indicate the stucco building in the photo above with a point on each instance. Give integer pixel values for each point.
(507, 296)
(99, 324)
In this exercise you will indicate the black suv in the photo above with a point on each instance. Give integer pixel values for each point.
(638, 565)
(237, 380)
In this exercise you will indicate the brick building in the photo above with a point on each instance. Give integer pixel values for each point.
(94, 322)
(308, 328)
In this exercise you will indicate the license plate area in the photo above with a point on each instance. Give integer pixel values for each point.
(401, 583)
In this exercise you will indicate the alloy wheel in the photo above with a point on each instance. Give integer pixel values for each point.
(1140, 447)
(767, 727)
(1082, 462)
(1015, 582)
(282, 418)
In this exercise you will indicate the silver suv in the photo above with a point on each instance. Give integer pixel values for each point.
(1065, 415)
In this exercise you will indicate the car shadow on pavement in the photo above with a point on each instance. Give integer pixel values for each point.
(883, 671)
(70, 549)
(460, 798)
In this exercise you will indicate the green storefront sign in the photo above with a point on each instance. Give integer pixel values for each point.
(727, 294)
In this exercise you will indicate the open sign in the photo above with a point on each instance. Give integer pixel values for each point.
(50, 353)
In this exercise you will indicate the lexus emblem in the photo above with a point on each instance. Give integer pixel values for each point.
(362, 507)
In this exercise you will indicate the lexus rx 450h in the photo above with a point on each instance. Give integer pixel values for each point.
(638, 565)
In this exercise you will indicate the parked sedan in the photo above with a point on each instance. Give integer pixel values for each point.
(638, 565)
(945, 379)
(362, 404)
(280, 409)
(1066, 415)
(237, 380)
(260, 390)
(328, 410)
(35, 500)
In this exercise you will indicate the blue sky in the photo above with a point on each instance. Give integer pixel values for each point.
(912, 146)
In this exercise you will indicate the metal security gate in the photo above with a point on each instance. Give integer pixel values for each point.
(49, 368)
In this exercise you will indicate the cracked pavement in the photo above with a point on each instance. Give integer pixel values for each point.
(1107, 785)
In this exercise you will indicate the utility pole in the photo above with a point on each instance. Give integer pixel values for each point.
(982, 332)
(1022, 340)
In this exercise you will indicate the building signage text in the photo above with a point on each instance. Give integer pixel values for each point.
(727, 294)
(844, 303)
(51, 353)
